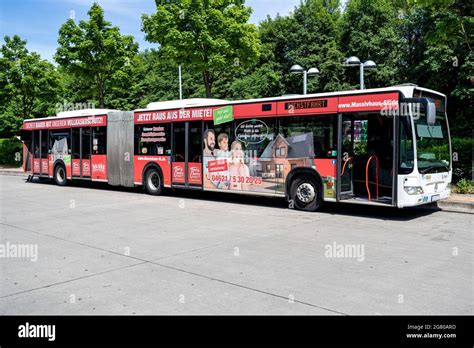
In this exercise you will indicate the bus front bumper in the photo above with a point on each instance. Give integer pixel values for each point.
(426, 189)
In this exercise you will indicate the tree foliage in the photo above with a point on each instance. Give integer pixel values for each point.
(425, 42)
(207, 36)
(369, 31)
(437, 54)
(29, 85)
(95, 53)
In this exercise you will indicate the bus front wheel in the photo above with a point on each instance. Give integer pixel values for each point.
(60, 175)
(153, 182)
(306, 193)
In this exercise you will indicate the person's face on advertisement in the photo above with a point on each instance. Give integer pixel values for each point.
(224, 144)
(237, 152)
(211, 141)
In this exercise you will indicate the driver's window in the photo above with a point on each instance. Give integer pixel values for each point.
(406, 146)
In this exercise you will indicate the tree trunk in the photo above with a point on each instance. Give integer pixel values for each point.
(207, 83)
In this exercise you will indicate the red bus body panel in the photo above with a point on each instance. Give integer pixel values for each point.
(141, 161)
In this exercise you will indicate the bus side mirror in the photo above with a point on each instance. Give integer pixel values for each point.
(430, 113)
(427, 105)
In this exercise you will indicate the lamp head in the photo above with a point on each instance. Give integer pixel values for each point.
(296, 69)
(313, 72)
(370, 64)
(352, 61)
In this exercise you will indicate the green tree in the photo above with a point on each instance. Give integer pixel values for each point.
(208, 36)
(308, 37)
(95, 53)
(437, 54)
(156, 79)
(370, 31)
(29, 85)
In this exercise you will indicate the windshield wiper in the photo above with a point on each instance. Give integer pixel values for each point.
(427, 169)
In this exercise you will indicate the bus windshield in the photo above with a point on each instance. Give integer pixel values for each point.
(432, 143)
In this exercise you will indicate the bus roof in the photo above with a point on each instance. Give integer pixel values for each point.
(74, 113)
(406, 89)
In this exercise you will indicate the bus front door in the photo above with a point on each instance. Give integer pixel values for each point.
(346, 156)
(187, 155)
(365, 157)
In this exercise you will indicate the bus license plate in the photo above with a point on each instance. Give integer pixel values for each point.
(434, 198)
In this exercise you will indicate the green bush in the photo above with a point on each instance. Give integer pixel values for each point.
(462, 167)
(462, 157)
(464, 186)
(11, 152)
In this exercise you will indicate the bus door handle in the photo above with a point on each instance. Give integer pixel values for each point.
(376, 176)
(344, 166)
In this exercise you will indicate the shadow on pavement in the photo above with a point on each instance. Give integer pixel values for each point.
(376, 212)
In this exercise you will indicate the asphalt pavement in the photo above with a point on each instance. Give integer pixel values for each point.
(93, 249)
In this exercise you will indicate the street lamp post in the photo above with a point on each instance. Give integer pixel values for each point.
(297, 69)
(180, 83)
(354, 61)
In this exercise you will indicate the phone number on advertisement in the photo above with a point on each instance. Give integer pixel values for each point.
(237, 179)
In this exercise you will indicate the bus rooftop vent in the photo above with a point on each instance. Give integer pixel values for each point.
(185, 103)
(406, 85)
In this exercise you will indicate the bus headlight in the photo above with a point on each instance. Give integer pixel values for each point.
(413, 190)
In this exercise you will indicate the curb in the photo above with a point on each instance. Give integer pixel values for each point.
(457, 207)
(12, 172)
(450, 206)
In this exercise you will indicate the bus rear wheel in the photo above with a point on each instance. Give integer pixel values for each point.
(153, 182)
(60, 175)
(306, 193)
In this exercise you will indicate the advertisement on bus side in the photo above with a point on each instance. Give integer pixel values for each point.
(259, 159)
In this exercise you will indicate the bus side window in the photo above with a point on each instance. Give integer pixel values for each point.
(324, 130)
(76, 151)
(99, 141)
(86, 143)
(36, 140)
(58, 146)
(323, 127)
(44, 143)
(152, 140)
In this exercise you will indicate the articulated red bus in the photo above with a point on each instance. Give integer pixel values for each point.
(377, 146)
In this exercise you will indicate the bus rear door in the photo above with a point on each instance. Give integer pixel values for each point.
(81, 152)
(187, 155)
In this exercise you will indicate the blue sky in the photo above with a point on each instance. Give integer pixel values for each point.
(38, 21)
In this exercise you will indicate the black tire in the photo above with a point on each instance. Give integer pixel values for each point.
(60, 177)
(153, 182)
(306, 193)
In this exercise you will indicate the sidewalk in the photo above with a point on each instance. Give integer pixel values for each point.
(12, 171)
(458, 203)
(455, 203)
